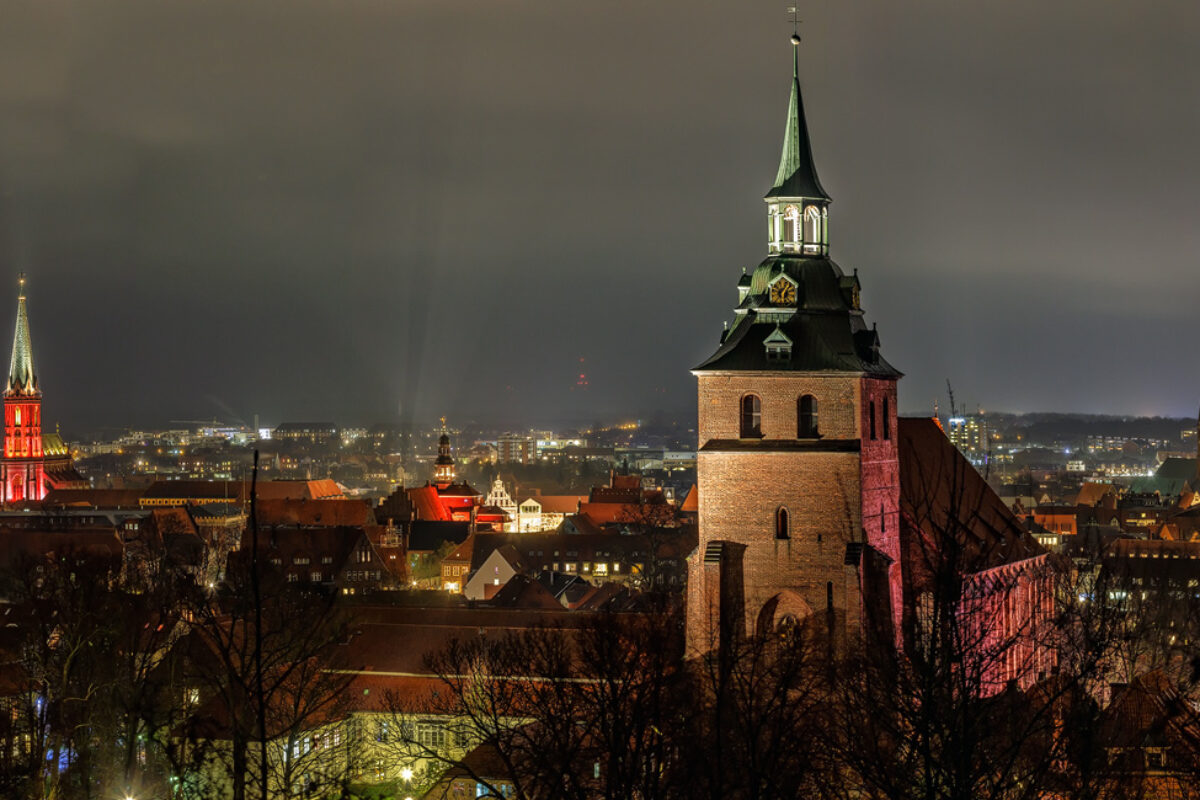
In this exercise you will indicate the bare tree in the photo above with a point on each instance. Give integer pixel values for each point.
(583, 713)
(293, 632)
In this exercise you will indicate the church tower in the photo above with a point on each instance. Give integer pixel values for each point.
(797, 466)
(443, 468)
(22, 470)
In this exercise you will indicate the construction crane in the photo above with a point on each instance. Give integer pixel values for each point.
(950, 391)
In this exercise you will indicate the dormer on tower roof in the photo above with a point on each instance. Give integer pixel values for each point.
(21, 378)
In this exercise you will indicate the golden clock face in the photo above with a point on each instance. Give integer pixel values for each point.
(783, 293)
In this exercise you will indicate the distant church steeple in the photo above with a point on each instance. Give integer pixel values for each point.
(23, 468)
(443, 468)
(797, 204)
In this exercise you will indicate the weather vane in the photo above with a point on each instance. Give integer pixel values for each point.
(795, 12)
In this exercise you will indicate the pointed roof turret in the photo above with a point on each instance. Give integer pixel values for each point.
(797, 175)
(21, 377)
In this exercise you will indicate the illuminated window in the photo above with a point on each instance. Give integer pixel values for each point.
(791, 225)
(782, 524)
(751, 427)
(806, 414)
(812, 229)
(431, 735)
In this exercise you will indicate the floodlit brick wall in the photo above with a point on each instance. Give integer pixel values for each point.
(881, 481)
(742, 485)
(721, 396)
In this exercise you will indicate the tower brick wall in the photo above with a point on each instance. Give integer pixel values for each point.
(880, 482)
(837, 403)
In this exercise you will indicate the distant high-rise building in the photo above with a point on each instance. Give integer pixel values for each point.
(970, 435)
(516, 450)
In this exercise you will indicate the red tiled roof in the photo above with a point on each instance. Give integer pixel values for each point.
(92, 498)
(239, 491)
(558, 503)
(626, 482)
(325, 513)
(101, 543)
(428, 505)
(691, 503)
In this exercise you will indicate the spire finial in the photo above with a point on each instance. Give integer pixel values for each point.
(21, 285)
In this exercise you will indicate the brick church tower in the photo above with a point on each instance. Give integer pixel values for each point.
(23, 468)
(797, 465)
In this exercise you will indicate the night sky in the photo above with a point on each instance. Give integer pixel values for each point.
(324, 210)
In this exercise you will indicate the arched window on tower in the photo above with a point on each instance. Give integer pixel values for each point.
(812, 230)
(782, 524)
(887, 421)
(751, 427)
(806, 416)
(791, 226)
(871, 414)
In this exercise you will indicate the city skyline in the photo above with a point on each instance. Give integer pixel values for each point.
(313, 260)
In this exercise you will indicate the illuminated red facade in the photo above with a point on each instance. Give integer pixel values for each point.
(23, 468)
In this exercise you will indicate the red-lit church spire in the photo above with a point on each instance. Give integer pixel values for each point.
(22, 470)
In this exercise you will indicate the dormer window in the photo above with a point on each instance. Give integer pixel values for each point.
(778, 345)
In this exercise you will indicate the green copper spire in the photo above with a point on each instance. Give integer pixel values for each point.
(797, 176)
(21, 378)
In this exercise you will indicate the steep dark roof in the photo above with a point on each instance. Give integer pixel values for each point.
(1182, 469)
(943, 495)
(797, 175)
(826, 332)
(522, 591)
